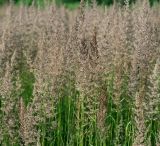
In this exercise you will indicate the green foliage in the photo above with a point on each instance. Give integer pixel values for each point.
(27, 82)
(2, 2)
(74, 124)
(25, 78)
(71, 2)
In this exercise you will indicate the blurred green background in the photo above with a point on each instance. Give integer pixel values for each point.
(69, 3)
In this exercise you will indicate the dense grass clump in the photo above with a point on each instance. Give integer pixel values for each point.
(88, 77)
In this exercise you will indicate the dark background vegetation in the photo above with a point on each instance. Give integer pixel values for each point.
(106, 2)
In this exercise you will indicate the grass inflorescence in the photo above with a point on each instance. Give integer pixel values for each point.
(88, 77)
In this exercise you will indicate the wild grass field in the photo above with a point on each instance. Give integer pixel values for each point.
(87, 77)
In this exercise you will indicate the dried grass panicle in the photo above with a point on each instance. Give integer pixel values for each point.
(153, 93)
(9, 119)
(152, 99)
(22, 111)
(102, 111)
(142, 48)
(28, 131)
(139, 119)
(143, 53)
